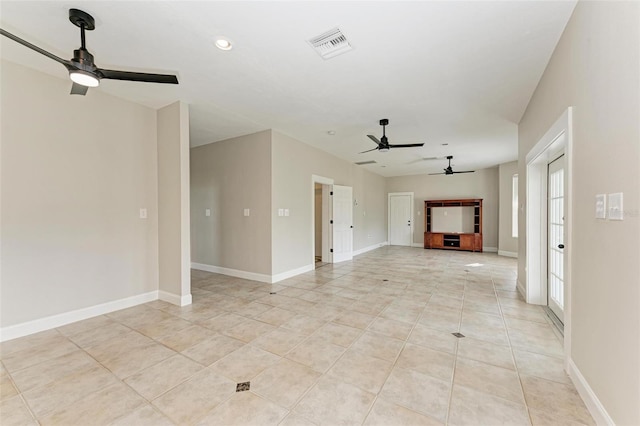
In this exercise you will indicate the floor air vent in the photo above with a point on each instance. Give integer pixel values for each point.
(330, 44)
(362, 163)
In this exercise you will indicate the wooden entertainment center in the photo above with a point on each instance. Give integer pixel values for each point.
(470, 241)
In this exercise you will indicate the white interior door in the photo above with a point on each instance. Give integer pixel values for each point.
(400, 219)
(555, 248)
(342, 217)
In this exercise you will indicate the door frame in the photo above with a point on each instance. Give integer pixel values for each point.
(326, 208)
(389, 195)
(557, 140)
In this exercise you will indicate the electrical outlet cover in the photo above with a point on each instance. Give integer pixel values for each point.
(614, 204)
(601, 206)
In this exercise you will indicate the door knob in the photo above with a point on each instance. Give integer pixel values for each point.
(560, 246)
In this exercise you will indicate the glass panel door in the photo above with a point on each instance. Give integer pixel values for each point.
(555, 252)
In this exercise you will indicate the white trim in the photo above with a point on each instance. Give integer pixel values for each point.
(589, 397)
(174, 298)
(508, 253)
(369, 248)
(392, 194)
(292, 273)
(420, 245)
(264, 278)
(58, 320)
(490, 249)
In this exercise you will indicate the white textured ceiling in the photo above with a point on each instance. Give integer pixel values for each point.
(442, 72)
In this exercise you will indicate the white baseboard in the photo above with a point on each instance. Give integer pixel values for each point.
(589, 397)
(53, 321)
(521, 290)
(264, 278)
(490, 249)
(174, 298)
(419, 245)
(292, 273)
(507, 253)
(369, 248)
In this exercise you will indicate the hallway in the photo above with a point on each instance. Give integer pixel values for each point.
(363, 342)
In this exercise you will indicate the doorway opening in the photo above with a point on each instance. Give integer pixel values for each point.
(321, 229)
(548, 225)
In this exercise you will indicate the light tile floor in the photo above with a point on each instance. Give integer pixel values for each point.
(362, 342)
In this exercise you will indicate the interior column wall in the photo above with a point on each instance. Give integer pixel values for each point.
(173, 204)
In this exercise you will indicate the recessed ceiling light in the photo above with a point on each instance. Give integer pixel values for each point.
(223, 44)
(331, 132)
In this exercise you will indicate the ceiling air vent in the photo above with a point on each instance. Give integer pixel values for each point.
(330, 44)
(362, 163)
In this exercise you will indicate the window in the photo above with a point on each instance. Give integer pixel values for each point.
(514, 206)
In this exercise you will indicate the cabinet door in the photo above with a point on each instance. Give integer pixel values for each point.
(478, 242)
(437, 240)
(467, 242)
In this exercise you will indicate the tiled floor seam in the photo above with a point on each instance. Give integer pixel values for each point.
(513, 356)
(455, 358)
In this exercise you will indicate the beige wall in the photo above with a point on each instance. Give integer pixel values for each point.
(595, 68)
(506, 242)
(173, 203)
(481, 184)
(265, 172)
(228, 177)
(293, 164)
(75, 172)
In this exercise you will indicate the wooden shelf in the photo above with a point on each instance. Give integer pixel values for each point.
(452, 240)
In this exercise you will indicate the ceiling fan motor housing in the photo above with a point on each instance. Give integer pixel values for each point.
(83, 57)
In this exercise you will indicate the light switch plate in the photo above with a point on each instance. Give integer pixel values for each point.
(280, 212)
(246, 212)
(601, 206)
(614, 204)
(143, 213)
(286, 212)
(207, 212)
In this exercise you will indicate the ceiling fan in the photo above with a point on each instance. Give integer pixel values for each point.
(383, 143)
(449, 170)
(82, 70)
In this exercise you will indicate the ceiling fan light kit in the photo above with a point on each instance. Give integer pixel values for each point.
(84, 78)
(82, 70)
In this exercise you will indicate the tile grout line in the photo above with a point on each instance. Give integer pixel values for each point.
(455, 357)
(513, 357)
